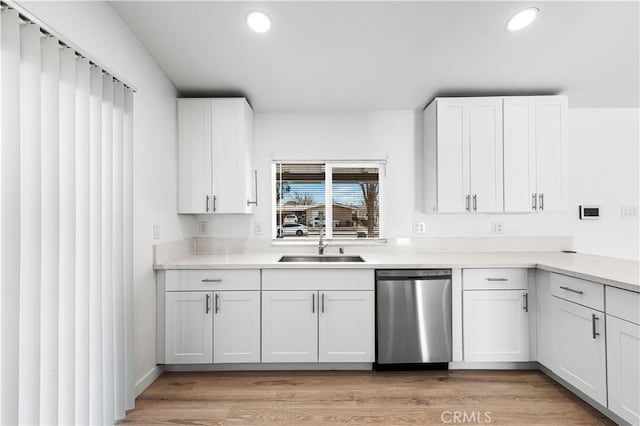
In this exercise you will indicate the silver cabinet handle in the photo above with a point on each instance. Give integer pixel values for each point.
(594, 332)
(212, 280)
(217, 303)
(475, 202)
(526, 302)
(497, 279)
(214, 203)
(207, 305)
(313, 303)
(255, 179)
(322, 303)
(534, 202)
(572, 290)
(541, 197)
(208, 199)
(467, 207)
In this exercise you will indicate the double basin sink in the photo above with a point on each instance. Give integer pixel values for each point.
(321, 259)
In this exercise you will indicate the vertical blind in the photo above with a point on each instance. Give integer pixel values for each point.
(66, 133)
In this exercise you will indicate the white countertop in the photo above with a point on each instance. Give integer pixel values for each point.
(619, 273)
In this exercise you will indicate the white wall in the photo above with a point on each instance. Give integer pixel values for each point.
(603, 166)
(97, 29)
(384, 135)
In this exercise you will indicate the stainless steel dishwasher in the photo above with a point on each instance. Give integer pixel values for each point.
(413, 316)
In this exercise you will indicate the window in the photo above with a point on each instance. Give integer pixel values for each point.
(352, 192)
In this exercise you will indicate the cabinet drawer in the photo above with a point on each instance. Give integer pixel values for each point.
(219, 279)
(318, 279)
(495, 279)
(623, 304)
(584, 292)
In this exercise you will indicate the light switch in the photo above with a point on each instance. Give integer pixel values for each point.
(629, 211)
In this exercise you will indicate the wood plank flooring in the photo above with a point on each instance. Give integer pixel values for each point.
(389, 398)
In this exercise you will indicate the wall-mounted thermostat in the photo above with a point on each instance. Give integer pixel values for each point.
(589, 212)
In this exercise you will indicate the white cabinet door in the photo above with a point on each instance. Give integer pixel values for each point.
(236, 326)
(188, 327)
(346, 326)
(496, 325)
(485, 158)
(545, 319)
(289, 326)
(520, 193)
(194, 156)
(623, 366)
(551, 156)
(230, 147)
(579, 348)
(453, 155)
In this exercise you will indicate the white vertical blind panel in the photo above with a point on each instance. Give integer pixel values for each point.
(95, 250)
(30, 209)
(0, 221)
(118, 240)
(107, 264)
(50, 234)
(10, 215)
(82, 241)
(67, 325)
(128, 248)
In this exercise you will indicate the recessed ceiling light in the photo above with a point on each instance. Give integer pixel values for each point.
(522, 19)
(258, 21)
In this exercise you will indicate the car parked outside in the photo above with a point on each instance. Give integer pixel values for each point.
(291, 218)
(289, 229)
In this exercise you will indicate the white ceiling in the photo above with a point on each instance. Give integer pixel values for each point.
(348, 56)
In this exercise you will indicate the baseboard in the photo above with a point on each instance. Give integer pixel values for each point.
(493, 365)
(269, 367)
(147, 379)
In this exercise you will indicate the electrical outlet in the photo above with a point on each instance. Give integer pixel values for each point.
(629, 211)
(157, 231)
(203, 228)
(258, 228)
(420, 228)
(497, 228)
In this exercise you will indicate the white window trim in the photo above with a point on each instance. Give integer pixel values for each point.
(329, 165)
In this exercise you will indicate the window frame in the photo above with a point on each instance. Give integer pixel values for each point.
(329, 165)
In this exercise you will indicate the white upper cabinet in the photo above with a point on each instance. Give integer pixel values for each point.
(495, 154)
(215, 139)
(195, 167)
(535, 153)
(485, 146)
(463, 155)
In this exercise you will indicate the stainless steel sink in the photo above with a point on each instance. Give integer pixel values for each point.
(321, 259)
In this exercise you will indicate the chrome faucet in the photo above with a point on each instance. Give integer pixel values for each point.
(321, 244)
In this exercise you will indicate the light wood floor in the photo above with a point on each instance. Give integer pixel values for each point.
(390, 398)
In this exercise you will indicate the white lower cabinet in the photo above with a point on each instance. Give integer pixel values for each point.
(346, 326)
(544, 305)
(318, 326)
(623, 366)
(579, 348)
(289, 326)
(496, 325)
(189, 327)
(236, 326)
